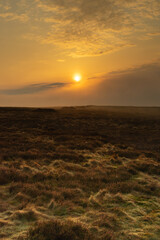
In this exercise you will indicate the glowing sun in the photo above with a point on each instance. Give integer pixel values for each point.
(77, 77)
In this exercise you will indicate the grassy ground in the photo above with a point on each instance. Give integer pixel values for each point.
(80, 173)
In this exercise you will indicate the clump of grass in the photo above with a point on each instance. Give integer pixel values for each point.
(24, 215)
(69, 156)
(128, 154)
(8, 175)
(109, 235)
(72, 193)
(107, 221)
(41, 176)
(58, 230)
(121, 187)
(78, 143)
(33, 191)
(147, 165)
(3, 223)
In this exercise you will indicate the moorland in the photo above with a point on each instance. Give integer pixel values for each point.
(80, 173)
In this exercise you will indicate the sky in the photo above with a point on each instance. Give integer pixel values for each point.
(114, 45)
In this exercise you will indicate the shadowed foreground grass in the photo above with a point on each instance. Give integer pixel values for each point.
(57, 230)
(80, 173)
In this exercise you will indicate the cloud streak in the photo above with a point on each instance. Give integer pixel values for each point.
(32, 88)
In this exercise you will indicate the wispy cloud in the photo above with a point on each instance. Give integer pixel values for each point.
(10, 16)
(96, 27)
(87, 27)
(60, 60)
(14, 10)
(32, 89)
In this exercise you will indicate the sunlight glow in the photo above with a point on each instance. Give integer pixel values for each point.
(77, 77)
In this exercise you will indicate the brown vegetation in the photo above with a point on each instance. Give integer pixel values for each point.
(58, 230)
(80, 173)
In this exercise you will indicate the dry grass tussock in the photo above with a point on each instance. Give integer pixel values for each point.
(59, 230)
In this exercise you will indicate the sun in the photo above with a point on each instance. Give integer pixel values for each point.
(77, 77)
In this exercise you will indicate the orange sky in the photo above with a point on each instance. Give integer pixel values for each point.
(113, 44)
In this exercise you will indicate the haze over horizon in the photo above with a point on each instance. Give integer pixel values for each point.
(112, 47)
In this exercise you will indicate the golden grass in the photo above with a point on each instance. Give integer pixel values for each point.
(79, 173)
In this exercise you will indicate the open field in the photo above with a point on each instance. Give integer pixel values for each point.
(80, 173)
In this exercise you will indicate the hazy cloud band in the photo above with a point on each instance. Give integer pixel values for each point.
(32, 89)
